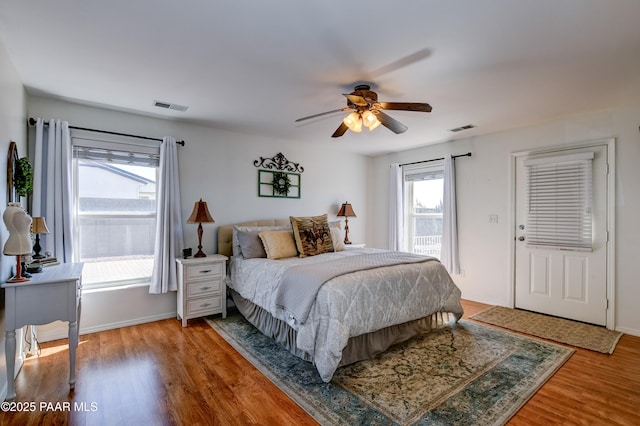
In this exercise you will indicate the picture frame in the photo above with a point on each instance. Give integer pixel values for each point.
(279, 184)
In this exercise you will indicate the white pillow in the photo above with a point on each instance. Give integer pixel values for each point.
(338, 240)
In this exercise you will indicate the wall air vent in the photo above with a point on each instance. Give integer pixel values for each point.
(167, 105)
(461, 128)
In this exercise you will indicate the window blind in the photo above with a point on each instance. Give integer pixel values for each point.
(116, 157)
(431, 171)
(115, 149)
(560, 193)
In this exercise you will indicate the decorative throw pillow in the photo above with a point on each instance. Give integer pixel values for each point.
(251, 244)
(312, 235)
(235, 244)
(278, 244)
(336, 237)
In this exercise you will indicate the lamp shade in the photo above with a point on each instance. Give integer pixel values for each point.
(39, 226)
(353, 122)
(18, 223)
(200, 213)
(370, 120)
(346, 211)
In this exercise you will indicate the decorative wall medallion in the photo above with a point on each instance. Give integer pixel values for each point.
(278, 162)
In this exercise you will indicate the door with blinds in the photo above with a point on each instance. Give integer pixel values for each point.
(561, 235)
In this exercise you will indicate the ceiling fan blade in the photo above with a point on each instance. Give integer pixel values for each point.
(405, 106)
(356, 100)
(340, 131)
(321, 114)
(390, 123)
(401, 63)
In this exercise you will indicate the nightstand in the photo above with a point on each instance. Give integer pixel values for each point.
(201, 288)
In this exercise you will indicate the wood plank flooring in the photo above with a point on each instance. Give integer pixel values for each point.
(162, 374)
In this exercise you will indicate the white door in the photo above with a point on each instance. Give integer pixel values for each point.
(561, 279)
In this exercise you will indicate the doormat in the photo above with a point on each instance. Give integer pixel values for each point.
(574, 333)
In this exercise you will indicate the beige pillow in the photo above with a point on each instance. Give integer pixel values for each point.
(312, 235)
(278, 244)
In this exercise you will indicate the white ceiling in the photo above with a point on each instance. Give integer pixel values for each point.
(256, 66)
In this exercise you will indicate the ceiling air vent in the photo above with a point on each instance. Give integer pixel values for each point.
(461, 128)
(167, 105)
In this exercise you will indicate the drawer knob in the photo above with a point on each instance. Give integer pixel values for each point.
(206, 271)
(205, 288)
(204, 305)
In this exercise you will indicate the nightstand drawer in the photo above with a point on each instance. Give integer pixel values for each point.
(205, 304)
(204, 287)
(204, 271)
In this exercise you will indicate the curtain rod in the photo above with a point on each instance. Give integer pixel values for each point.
(32, 122)
(468, 154)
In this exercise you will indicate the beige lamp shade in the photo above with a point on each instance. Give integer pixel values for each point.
(200, 213)
(39, 226)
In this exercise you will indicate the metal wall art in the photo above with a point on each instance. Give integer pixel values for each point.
(281, 179)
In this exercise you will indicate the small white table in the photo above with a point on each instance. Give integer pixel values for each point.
(54, 294)
(201, 287)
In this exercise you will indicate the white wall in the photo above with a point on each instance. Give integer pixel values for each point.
(483, 183)
(216, 166)
(12, 128)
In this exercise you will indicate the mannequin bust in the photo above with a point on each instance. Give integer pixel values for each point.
(18, 223)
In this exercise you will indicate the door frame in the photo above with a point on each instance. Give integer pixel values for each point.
(610, 209)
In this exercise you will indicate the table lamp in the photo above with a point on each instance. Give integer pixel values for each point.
(38, 226)
(200, 215)
(18, 244)
(347, 211)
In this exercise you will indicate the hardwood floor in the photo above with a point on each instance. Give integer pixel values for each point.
(162, 374)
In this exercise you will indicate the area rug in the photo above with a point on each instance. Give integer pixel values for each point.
(573, 333)
(464, 374)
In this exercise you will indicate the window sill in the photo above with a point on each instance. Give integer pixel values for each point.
(106, 287)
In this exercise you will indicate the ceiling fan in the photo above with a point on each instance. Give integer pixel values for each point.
(367, 111)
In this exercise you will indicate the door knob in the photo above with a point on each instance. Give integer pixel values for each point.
(521, 238)
(521, 226)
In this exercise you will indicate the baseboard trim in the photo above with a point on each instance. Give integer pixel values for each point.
(630, 331)
(63, 334)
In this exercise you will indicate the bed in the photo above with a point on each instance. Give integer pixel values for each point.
(354, 315)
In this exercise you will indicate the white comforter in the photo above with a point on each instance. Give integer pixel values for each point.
(345, 305)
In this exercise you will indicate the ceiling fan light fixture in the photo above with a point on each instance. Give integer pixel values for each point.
(353, 122)
(370, 120)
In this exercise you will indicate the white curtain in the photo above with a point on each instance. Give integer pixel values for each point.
(52, 194)
(396, 213)
(169, 242)
(449, 256)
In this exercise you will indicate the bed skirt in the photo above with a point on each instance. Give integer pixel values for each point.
(358, 348)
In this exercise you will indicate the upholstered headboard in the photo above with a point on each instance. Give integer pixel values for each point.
(225, 233)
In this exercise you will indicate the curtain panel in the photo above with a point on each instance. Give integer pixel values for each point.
(52, 195)
(449, 255)
(396, 213)
(169, 238)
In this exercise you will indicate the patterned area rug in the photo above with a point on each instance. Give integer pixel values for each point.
(573, 333)
(467, 374)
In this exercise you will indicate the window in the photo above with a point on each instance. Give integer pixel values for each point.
(423, 206)
(114, 210)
